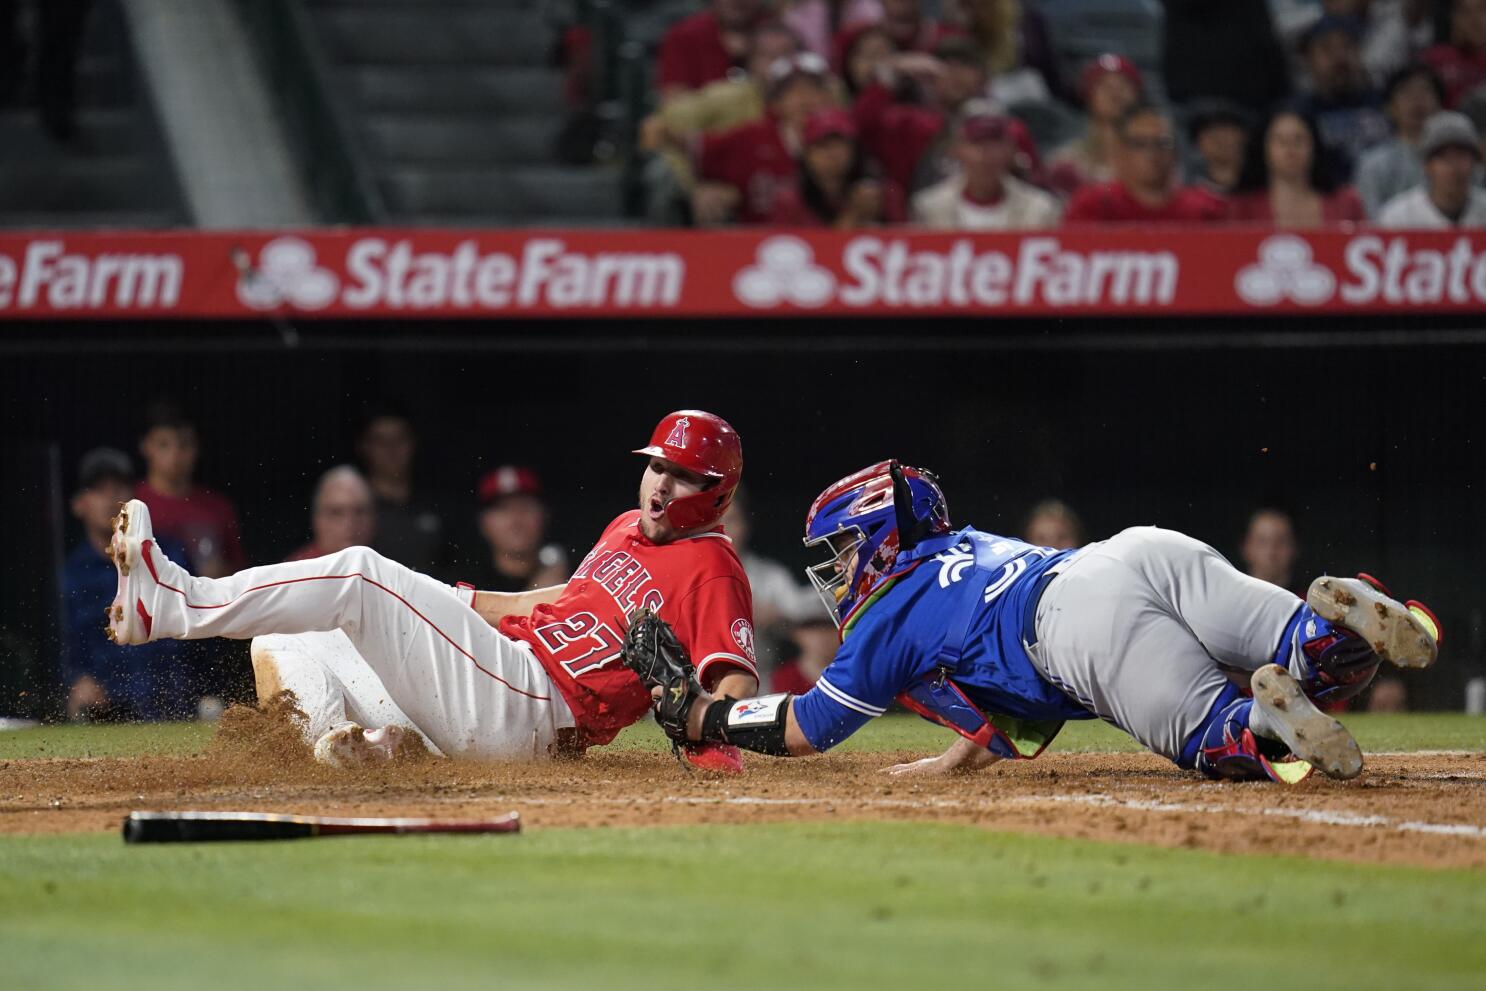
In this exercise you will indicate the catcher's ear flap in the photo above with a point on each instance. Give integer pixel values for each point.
(911, 529)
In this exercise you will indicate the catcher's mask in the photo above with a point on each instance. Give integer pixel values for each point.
(864, 522)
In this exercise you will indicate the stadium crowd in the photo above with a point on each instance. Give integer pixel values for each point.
(501, 542)
(850, 113)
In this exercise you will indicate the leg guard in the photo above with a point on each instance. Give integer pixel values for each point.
(1330, 662)
(1225, 748)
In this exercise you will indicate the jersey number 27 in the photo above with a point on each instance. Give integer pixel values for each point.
(580, 643)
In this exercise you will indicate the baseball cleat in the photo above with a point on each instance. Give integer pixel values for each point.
(349, 745)
(1310, 734)
(145, 576)
(1406, 635)
(720, 758)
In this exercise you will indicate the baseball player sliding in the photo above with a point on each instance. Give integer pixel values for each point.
(373, 650)
(1002, 642)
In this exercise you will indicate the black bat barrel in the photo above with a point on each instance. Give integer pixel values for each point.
(196, 827)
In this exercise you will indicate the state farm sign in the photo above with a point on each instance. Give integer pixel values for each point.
(378, 273)
(44, 275)
(1039, 271)
(395, 274)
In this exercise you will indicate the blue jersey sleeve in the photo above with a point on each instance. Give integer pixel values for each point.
(868, 672)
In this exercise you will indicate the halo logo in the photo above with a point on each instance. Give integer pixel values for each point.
(1285, 270)
(784, 271)
(287, 272)
(743, 637)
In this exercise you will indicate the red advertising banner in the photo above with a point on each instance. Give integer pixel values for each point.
(383, 273)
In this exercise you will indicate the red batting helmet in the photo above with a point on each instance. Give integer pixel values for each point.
(708, 445)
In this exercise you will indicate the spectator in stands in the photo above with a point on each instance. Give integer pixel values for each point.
(817, 22)
(780, 602)
(1461, 64)
(151, 681)
(1013, 41)
(814, 646)
(1219, 134)
(1413, 94)
(1226, 49)
(1448, 196)
(409, 529)
(913, 142)
(865, 48)
(513, 523)
(1269, 548)
(702, 48)
(1388, 694)
(1144, 190)
(1288, 180)
(203, 520)
(673, 131)
(342, 514)
(1108, 86)
(835, 186)
(742, 169)
(778, 598)
(1386, 43)
(1053, 523)
(983, 195)
(1338, 95)
(906, 26)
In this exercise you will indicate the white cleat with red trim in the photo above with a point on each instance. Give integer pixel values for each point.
(349, 745)
(150, 584)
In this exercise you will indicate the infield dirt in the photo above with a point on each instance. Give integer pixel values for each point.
(1422, 809)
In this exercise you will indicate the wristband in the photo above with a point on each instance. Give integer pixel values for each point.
(755, 724)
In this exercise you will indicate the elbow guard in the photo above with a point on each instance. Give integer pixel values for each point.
(755, 724)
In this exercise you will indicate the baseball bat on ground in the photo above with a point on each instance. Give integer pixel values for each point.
(195, 827)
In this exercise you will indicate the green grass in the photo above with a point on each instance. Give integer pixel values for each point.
(842, 905)
(1411, 731)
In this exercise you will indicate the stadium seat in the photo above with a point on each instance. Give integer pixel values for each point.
(115, 172)
(552, 192)
(457, 111)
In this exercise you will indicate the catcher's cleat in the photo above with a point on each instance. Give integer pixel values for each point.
(1406, 635)
(349, 745)
(145, 577)
(1309, 733)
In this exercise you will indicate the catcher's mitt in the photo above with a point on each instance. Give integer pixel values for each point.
(652, 651)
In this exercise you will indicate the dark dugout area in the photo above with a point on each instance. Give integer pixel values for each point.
(1369, 432)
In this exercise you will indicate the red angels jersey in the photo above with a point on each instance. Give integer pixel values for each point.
(695, 583)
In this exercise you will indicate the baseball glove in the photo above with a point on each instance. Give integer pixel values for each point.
(652, 651)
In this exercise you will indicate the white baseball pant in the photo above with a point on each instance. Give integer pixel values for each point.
(1136, 627)
(468, 689)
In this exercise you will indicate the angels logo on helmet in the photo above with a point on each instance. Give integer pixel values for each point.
(677, 436)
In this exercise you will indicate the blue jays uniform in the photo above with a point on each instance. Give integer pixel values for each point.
(1138, 630)
(960, 608)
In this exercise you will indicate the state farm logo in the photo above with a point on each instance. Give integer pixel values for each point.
(1285, 270)
(784, 271)
(287, 272)
(904, 272)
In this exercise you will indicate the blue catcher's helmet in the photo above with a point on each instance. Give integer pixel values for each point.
(864, 521)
